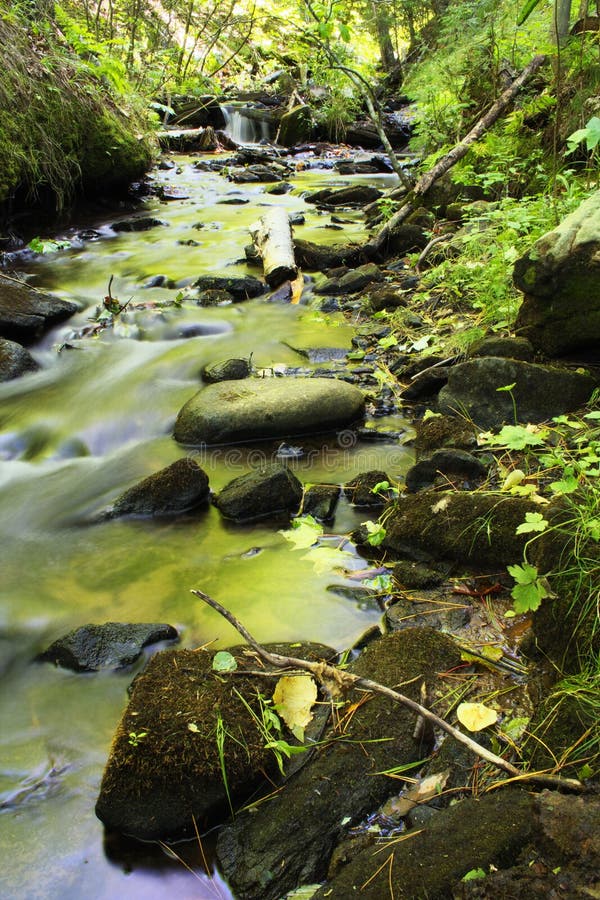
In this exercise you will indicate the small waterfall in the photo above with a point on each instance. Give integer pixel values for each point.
(243, 128)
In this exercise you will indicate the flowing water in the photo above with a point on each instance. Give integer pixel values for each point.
(96, 419)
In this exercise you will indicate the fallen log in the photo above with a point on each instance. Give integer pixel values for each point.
(272, 237)
(453, 156)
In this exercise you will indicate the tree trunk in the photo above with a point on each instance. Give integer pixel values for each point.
(272, 237)
(459, 150)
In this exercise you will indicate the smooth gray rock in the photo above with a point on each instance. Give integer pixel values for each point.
(257, 408)
(240, 288)
(15, 361)
(540, 392)
(26, 313)
(260, 493)
(112, 645)
(228, 370)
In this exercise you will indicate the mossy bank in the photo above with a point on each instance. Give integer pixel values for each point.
(62, 134)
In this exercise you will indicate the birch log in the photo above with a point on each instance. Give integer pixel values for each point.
(272, 237)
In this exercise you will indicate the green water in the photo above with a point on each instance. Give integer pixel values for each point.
(95, 420)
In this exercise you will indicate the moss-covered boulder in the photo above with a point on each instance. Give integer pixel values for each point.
(288, 841)
(474, 528)
(539, 392)
(189, 743)
(181, 486)
(560, 277)
(474, 834)
(295, 125)
(258, 408)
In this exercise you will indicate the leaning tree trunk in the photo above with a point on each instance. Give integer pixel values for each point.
(272, 237)
(459, 150)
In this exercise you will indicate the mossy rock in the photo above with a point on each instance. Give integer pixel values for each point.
(475, 528)
(165, 768)
(472, 834)
(175, 489)
(288, 841)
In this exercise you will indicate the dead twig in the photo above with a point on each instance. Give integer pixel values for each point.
(335, 681)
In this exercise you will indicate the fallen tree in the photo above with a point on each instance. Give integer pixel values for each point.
(459, 150)
(272, 238)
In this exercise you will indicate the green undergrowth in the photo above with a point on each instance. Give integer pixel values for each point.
(475, 271)
(63, 127)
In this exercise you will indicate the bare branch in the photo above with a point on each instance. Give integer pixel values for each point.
(335, 680)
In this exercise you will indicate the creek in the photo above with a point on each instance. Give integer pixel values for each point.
(96, 419)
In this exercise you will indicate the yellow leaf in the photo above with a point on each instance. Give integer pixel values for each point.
(441, 505)
(476, 716)
(513, 479)
(294, 695)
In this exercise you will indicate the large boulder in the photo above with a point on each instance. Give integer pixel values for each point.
(25, 313)
(295, 126)
(111, 645)
(15, 360)
(181, 486)
(257, 408)
(481, 833)
(263, 492)
(539, 392)
(560, 277)
(190, 743)
(467, 527)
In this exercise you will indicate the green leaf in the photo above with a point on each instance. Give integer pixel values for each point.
(388, 341)
(507, 387)
(356, 354)
(517, 437)
(527, 598)
(376, 533)
(474, 875)
(533, 522)
(344, 32)
(566, 485)
(524, 574)
(224, 662)
(305, 532)
(526, 11)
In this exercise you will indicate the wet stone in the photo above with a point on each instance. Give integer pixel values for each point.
(144, 223)
(112, 645)
(264, 492)
(179, 487)
(228, 370)
(15, 361)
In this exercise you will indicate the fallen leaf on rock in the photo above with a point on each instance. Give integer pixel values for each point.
(476, 716)
(294, 696)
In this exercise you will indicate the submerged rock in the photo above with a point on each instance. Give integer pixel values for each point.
(260, 493)
(539, 392)
(320, 501)
(181, 486)
(26, 313)
(267, 408)
(141, 223)
(112, 645)
(560, 277)
(15, 361)
(187, 741)
(240, 288)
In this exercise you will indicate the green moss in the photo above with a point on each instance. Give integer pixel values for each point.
(61, 132)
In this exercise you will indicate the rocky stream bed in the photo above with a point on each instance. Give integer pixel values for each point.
(170, 422)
